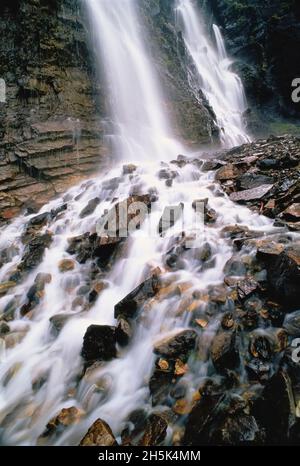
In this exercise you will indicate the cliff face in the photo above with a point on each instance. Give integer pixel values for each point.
(51, 126)
(264, 38)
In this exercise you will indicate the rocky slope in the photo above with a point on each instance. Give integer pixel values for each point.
(264, 175)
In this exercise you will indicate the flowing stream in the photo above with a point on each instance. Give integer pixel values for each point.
(40, 374)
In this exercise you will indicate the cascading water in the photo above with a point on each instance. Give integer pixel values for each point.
(41, 373)
(140, 127)
(223, 88)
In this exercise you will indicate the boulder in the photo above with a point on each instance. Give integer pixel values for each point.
(129, 306)
(156, 431)
(99, 344)
(67, 417)
(129, 169)
(99, 435)
(261, 347)
(224, 351)
(34, 252)
(283, 273)
(90, 207)
(227, 172)
(66, 265)
(177, 345)
(275, 410)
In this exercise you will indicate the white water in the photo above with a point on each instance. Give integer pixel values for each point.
(141, 130)
(223, 88)
(119, 387)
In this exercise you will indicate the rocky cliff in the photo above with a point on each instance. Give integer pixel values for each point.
(264, 38)
(51, 126)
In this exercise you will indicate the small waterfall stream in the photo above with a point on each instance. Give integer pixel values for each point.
(222, 88)
(40, 375)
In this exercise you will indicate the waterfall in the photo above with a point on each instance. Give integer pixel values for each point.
(141, 130)
(43, 372)
(222, 87)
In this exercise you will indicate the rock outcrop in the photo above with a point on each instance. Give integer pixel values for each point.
(51, 134)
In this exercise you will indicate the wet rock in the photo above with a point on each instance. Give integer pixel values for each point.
(96, 290)
(156, 431)
(253, 180)
(129, 306)
(177, 345)
(227, 321)
(34, 252)
(261, 347)
(246, 287)
(224, 351)
(292, 213)
(99, 435)
(6, 287)
(167, 174)
(283, 273)
(249, 318)
(4, 328)
(60, 209)
(90, 207)
(235, 268)
(34, 225)
(66, 265)
(58, 322)
(14, 338)
(10, 309)
(200, 419)
(204, 253)
(67, 417)
(258, 371)
(275, 410)
(35, 292)
(228, 172)
(124, 332)
(99, 344)
(292, 324)
(160, 385)
(42, 279)
(129, 169)
(251, 194)
(209, 165)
